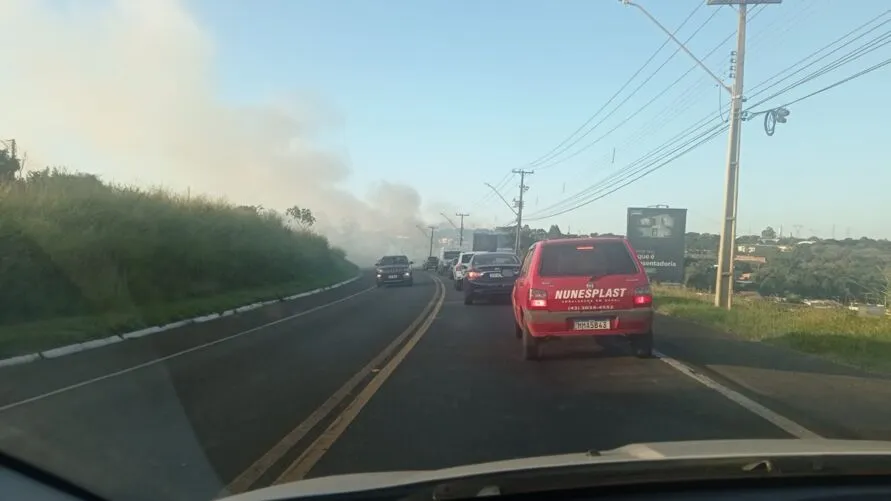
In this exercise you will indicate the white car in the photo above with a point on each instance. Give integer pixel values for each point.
(461, 268)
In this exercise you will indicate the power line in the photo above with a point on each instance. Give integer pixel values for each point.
(550, 154)
(667, 114)
(830, 66)
(659, 150)
(634, 92)
(646, 170)
(656, 155)
(859, 74)
(594, 187)
(870, 46)
(657, 96)
(488, 195)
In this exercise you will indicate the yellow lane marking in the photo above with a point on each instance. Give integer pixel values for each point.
(303, 464)
(254, 472)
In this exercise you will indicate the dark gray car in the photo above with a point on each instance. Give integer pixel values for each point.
(394, 270)
(490, 275)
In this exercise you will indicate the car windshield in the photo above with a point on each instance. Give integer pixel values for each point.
(494, 259)
(207, 210)
(586, 259)
(393, 260)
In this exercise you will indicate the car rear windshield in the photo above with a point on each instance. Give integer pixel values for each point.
(450, 255)
(495, 259)
(391, 260)
(465, 258)
(586, 259)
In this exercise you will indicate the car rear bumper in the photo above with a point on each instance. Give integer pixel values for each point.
(385, 279)
(488, 289)
(560, 324)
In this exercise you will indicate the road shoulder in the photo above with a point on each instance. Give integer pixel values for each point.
(46, 374)
(833, 400)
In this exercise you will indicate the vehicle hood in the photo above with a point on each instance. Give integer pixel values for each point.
(660, 451)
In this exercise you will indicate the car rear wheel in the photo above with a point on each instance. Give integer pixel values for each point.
(642, 344)
(411, 281)
(531, 347)
(459, 285)
(468, 298)
(518, 331)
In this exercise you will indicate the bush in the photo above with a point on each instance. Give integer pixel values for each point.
(71, 245)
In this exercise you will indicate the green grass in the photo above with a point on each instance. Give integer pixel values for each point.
(80, 259)
(837, 334)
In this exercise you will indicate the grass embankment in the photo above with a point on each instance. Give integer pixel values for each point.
(838, 334)
(80, 259)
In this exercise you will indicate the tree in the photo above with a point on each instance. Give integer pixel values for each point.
(554, 232)
(9, 166)
(254, 209)
(768, 233)
(302, 217)
(700, 275)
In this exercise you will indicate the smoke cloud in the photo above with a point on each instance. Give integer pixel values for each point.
(126, 90)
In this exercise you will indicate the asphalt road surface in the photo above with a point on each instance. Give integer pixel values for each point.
(370, 379)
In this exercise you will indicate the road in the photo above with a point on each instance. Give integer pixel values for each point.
(367, 379)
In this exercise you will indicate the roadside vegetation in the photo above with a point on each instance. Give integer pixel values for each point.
(838, 334)
(81, 259)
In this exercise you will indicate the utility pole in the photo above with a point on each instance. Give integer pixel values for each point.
(519, 204)
(724, 276)
(432, 229)
(461, 231)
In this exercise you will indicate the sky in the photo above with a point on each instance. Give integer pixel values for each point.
(404, 109)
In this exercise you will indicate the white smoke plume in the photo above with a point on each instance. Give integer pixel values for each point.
(126, 89)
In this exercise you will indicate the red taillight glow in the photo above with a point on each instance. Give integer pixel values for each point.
(473, 274)
(538, 298)
(643, 300)
(643, 296)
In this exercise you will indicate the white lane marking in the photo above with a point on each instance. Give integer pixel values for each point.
(781, 422)
(178, 354)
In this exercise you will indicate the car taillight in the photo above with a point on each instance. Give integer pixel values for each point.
(473, 274)
(643, 296)
(538, 298)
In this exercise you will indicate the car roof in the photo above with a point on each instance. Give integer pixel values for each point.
(396, 255)
(581, 240)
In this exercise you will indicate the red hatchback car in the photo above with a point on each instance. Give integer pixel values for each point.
(583, 287)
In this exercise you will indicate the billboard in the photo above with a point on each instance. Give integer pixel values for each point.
(657, 234)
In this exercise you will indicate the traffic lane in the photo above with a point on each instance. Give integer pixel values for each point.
(185, 427)
(464, 395)
(792, 383)
(23, 381)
